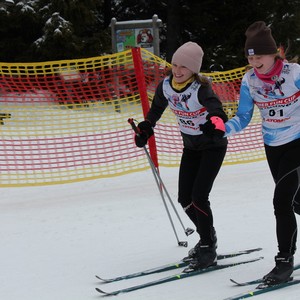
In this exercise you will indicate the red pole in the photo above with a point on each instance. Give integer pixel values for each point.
(140, 77)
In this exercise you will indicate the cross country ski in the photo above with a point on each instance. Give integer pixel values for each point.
(176, 277)
(255, 281)
(172, 266)
(257, 291)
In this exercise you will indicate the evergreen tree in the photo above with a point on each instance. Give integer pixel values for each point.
(84, 36)
(19, 26)
(39, 30)
(30, 35)
(58, 34)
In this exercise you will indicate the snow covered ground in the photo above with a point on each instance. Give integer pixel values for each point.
(54, 239)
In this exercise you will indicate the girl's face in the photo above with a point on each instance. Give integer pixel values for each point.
(181, 73)
(262, 63)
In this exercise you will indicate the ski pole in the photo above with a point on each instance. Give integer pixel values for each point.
(136, 130)
(187, 231)
(161, 186)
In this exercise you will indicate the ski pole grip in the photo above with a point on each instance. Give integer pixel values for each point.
(134, 127)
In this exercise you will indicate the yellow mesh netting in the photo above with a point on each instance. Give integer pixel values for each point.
(66, 121)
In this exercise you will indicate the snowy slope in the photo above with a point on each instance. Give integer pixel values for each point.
(54, 239)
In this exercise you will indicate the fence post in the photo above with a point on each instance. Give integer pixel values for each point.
(140, 77)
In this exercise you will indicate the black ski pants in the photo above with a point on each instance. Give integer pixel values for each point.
(284, 163)
(197, 173)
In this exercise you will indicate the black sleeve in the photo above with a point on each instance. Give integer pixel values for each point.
(158, 106)
(211, 102)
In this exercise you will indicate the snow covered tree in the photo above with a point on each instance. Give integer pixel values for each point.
(83, 27)
(19, 26)
(78, 32)
(34, 36)
(58, 35)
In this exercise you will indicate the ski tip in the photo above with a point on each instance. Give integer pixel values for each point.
(258, 258)
(103, 292)
(100, 291)
(235, 282)
(98, 277)
(252, 250)
(103, 279)
(255, 281)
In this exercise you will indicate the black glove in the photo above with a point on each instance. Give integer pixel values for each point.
(146, 131)
(214, 127)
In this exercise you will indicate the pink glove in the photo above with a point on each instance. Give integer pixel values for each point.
(218, 122)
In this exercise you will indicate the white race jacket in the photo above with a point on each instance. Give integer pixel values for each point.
(278, 103)
(190, 113)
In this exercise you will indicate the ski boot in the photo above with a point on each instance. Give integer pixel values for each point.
(205, 256)
(192, 254)
(283, 270)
